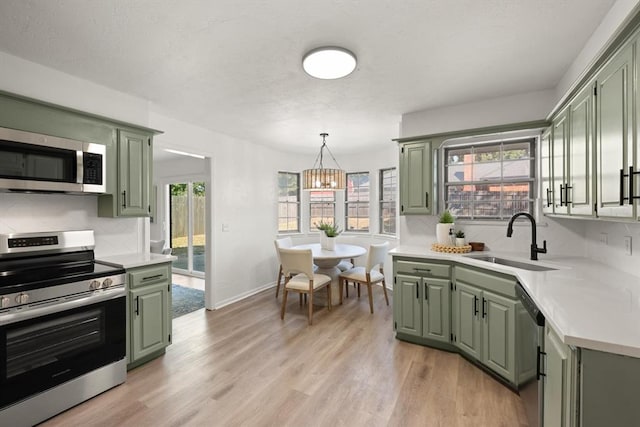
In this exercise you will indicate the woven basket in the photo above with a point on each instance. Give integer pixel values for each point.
(436, 247)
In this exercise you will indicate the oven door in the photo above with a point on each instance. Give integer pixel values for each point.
(38, 353)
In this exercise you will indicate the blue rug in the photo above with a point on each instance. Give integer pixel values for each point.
(186, 300)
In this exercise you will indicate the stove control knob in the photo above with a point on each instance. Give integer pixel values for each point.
(107, 282)
(4, 302)
(22, 299)
(94, 284)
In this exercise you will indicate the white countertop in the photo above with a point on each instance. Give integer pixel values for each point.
(136, 259)
(587, 303)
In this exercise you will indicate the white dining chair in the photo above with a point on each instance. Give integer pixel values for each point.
(368, 275)
(286, 243)
(297, 266)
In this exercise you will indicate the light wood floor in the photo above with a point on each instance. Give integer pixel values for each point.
(242, 365)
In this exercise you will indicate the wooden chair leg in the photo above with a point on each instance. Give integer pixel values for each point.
(341, 283)
(284, 302)
(346, 288)
(310, 307)
(358, 289)
(300, 296)
(370, 296)
(278, 281)
(384, 288)
(329, 296)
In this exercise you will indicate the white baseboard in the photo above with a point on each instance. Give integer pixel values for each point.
(244, 295)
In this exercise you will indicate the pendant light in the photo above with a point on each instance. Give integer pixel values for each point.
(320, 178)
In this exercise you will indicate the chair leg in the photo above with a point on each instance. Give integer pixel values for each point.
(346, 288)
(341, 283)
(284, 302)
(358, 289)
(384, 288)
(370, 296)
(329, 296)
(300, 295)
(310, 307)
(278, 281)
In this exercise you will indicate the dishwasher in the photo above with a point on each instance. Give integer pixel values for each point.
(532, 392)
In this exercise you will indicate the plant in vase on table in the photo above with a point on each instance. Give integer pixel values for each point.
(328, 234)
(444, 228)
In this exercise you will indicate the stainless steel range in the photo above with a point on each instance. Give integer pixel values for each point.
(62, 324)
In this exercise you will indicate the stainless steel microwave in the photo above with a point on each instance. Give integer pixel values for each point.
(33, 162)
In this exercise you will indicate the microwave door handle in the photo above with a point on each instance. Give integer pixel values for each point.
(79, 166)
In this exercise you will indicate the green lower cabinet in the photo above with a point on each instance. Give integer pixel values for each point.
(409, 317)
(467, 321)
(436, 309)
(150, 329)
(558, 382)
(149, 313)
(498, 334)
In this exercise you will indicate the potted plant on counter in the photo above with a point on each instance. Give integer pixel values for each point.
(328, 234)
(459, 238)
(444, 227)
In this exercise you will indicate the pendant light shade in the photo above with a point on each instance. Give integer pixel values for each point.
(321, 178)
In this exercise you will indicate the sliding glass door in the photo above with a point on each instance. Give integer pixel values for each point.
(187, 223)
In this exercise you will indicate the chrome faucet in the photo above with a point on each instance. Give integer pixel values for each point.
(534, 246)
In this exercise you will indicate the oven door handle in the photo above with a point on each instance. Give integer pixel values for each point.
(56, 306)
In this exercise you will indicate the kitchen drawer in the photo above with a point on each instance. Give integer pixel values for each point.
(491, 281)
(149, 275)
(426, 269)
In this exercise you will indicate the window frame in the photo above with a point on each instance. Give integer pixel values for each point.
(329, 204)
(382, 201)
(288, 203)
(503, 145)
(359, 204)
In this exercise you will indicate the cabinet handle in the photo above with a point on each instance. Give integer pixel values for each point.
(426, 199)
(566, 193)
(417, 290)
(561, 200)
(426, 292)
(137, 307)
(423, 270)
(548, 197)
(484, 307)
(621, 187)
(124, 198)
(152, 277)
(538, 363)
(631, 185)
(475, 305)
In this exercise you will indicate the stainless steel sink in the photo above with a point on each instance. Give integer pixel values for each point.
(511, 263)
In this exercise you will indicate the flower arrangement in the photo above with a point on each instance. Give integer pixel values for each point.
(330, 230)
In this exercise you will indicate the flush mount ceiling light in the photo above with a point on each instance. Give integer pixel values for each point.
(320, 178)
(329, 63)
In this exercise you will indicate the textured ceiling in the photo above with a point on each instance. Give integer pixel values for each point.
(235, 66)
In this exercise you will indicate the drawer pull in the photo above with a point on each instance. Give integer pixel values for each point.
(424, 270)
(152, 277)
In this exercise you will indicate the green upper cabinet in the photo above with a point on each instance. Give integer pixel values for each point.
(614, 139)
(579, 184)
(559, 167)
(416, 178)
(546, 183)
(130, 191)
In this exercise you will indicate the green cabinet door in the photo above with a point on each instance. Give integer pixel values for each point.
(468, 321)
(409, 316)
(436, 303)
(546, 181)
(134, 170)
(416, 171)
(499, 334)
(558, 393)
(149, 306)
(614, 137)
(580, 154)
(559, 172)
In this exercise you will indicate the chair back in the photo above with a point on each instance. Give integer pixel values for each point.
(285, 242)
(377, 255)
(296, 261)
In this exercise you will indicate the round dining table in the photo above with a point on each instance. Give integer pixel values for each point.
(327, 262)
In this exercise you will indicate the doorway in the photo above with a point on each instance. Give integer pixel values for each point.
(187, 227)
